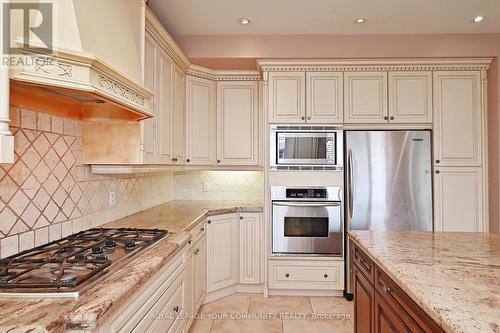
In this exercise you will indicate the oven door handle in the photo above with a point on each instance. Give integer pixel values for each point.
(306, 204)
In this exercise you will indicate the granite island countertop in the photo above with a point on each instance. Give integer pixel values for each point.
(101, 301)
(453, 277)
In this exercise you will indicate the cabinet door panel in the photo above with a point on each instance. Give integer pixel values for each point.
(410, 97)
(458, 118)
(221, 251)
(250, 244)
(237, 123)
(200, 121)
(365, 97)
(324, 97)
(287, 97)
(179, 115)
(200, 264)
(386, 320)
(364, 303)
(458, 196)
(150, 81)
(164, 115)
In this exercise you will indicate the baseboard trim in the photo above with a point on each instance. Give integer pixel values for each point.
(293, 292)
(243, 289)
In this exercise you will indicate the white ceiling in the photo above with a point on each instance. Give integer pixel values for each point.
(325, 17)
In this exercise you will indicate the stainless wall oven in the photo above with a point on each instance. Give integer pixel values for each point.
(307, 221)
(306, 147)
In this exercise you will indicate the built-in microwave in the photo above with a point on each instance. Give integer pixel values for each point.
(306, 148)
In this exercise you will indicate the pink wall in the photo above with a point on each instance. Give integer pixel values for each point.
(242, 49)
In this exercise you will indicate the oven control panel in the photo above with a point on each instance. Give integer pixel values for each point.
(306, 193)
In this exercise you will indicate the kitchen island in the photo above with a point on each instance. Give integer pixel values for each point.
(107, 297)
(422, 281)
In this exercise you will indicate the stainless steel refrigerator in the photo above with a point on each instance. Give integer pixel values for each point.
(388, 182)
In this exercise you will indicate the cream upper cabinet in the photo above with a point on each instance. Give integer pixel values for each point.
(200, 121)
(148, 144)
(458, 117)
(410, 97)
(179, 117)
(324, 97)
(287, 97)
(250, 248)
(164, 114)
(365, 97)
(222, 251)
(458, 199)
(237, 123)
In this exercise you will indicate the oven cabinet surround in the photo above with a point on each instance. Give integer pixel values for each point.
(300, 97)
(234, 254)
(380, 306)
(222, 127)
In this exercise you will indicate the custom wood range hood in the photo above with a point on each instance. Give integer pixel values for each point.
(94, 70)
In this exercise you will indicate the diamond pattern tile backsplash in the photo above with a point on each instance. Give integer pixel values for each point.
(48, 193)
(219, 185)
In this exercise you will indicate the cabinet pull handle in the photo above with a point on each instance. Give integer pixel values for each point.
(176, 308)
(174, 159)
(196, 251)
(303, 118)
(188, 160)
(392, 118)
(241, 217)
(287, 275)
(325, 276)
(385, 118)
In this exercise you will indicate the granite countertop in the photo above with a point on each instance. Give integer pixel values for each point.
(101, 301)
(453, 277)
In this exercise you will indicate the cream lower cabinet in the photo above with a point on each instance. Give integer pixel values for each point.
(222, 252)
(200, 121)
(234, 253)
(196, 276)
(459, 199)
(158, 307)
(237, 123)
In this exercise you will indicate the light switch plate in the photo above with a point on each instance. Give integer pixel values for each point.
(112, 198)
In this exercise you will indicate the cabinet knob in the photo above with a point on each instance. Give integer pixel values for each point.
(189, 242)
(386, 289)
(308, 117)
(202, 229)
(392, 118)
(303, 118)
(174, 159)
(241, 217)
(437, 172)
(437, 161)
(385, 118)
(218, 161)
(196, 251)
(325, 276)
(209, 221)
(287, 275)
(188, 160)
(176, 308)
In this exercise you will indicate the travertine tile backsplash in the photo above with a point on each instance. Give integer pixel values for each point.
(220, 185)
(48, 194)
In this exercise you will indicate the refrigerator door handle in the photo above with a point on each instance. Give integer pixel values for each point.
(350, 187)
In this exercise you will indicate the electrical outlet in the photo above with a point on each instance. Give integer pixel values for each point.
(205, 186)
(112, 198)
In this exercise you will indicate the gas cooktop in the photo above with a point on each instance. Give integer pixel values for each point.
(67, 267)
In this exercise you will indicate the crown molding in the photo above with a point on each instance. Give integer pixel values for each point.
(403, 64)
(224, 75)
(156, 30)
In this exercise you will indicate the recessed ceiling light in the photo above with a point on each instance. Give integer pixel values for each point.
(478, 19)
(360, 20)
(243, 20)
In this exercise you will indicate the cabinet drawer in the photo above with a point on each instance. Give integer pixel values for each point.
(364, 263)
(307, 275)
(198, 231)
(409, 312)
(162, 317)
